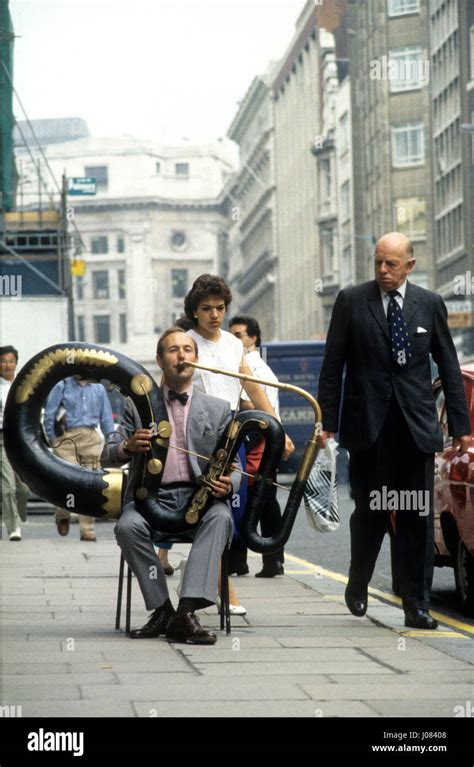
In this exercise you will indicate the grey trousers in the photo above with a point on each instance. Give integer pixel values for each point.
(14, 494)
(213, 533)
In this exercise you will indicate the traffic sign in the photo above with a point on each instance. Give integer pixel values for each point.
(81, 186)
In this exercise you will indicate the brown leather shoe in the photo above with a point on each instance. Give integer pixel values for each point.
(187, 629)
(63, 526)
(88, 535)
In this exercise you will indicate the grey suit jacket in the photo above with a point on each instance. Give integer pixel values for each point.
(207, 419)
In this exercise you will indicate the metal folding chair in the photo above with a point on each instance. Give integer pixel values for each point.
(161, 538)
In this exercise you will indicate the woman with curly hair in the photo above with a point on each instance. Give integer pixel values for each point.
(205, 306)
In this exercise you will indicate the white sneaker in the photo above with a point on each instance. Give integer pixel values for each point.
(233, 609)
(182, 568)
(15, 535)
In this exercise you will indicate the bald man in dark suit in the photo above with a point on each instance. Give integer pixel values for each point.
(382, 333)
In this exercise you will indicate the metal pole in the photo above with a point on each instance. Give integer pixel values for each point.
(67, 274)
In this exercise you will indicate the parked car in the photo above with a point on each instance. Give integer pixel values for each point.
(454, 500)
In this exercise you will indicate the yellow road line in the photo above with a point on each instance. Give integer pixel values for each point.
(386, 596)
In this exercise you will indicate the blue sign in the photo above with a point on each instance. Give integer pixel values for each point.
(81, 186)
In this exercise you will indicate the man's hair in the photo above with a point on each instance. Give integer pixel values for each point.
(253, 328)
(410, 250)
(159, 347)
(206, 285)
(8, 350)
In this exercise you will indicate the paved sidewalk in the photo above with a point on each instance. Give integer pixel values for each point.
(297, 653)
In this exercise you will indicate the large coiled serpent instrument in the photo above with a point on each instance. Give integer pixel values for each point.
(99, 493)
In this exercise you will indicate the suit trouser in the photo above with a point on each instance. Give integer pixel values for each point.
(82, 445)
(212, 534)
(14, 493)
(394, 463)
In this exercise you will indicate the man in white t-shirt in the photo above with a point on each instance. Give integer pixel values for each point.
(248, 331)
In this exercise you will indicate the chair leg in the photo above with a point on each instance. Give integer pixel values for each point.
(223, 581)
(128, 608)
(225, 592)
(119, 593)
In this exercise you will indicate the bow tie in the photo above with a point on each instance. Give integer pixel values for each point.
(183, 398)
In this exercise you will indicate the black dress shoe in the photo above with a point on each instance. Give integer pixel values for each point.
(187, 629)
(269, 571)
(240, 570)
(356, 600)
(420, 619)
(155, 626)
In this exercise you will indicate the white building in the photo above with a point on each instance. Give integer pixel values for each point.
(333, 150)
(250, 201)
(154, 225)
(297, 120)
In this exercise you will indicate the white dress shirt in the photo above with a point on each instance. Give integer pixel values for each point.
(399, 299)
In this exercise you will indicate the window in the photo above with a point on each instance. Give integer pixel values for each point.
(81, 330)
(407, 69)
(121, 283)
(325, 180)
(400, 7)
(100, 282)
(101, 328)
(408, 145)
(178, 240)
(472, 51)
(179, 282)
(80, 288)
(346, 266)
(123, 328)
(120, 244)
(343, 133)
(410, 216)
(182, 169)
(100, 173)
(328, 236)
(99, 244)
(345, 201)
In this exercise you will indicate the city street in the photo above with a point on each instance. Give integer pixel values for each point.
(297, 632)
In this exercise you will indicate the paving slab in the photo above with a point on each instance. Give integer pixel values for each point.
(254, 709)
(297, 653)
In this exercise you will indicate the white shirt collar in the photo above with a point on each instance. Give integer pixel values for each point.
(401, 289)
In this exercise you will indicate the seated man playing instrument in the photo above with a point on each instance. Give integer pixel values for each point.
(197, 420)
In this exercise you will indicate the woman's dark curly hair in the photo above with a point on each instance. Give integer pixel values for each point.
(206, 285)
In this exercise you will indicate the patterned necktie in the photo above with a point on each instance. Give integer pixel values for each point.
(401, 351)
(183, 398)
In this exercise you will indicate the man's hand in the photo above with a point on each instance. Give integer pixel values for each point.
(221, 487)
(323, 437)
(139, 442)
(289, 448)
(462, 444)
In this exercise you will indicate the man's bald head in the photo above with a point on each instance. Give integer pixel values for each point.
(396, 242)
(394, 260)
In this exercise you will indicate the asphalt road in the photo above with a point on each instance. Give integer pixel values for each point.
(332, 552)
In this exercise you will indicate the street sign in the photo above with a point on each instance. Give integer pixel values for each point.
(459, 313)
(81, 186)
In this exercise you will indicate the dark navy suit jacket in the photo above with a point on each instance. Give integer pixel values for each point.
(359, 339)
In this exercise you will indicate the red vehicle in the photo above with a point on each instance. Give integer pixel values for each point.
(454, 500)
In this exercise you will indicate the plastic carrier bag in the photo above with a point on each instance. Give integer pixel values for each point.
(320, 495)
